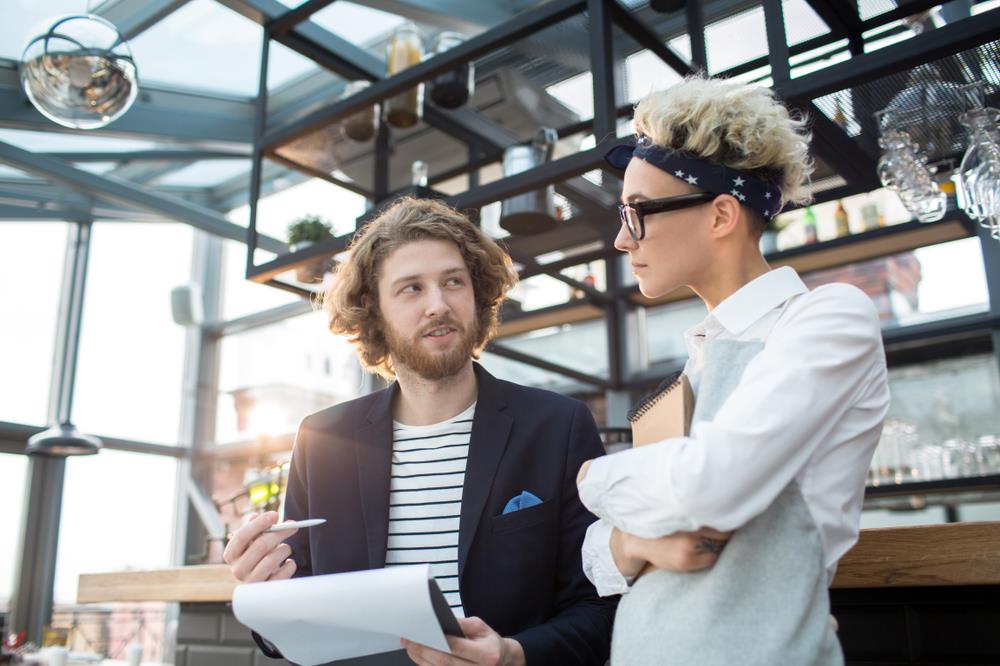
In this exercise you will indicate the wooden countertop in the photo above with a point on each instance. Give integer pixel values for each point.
(924, 556)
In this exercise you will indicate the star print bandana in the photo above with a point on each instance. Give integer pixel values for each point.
(761, 195)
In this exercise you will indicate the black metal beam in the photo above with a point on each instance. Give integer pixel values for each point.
(648, 39)
(920, 49)
(841, 152)
(293, 17)
(517, 28)
(695, 15)
(322, 175)
(777, 42)
(526, 181)
(602, 68)
(542, 364)
(841, 16)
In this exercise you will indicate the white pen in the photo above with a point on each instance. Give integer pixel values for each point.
(295, 524)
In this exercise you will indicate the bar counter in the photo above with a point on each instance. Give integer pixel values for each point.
(925, 594)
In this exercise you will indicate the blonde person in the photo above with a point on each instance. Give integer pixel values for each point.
(790, 388)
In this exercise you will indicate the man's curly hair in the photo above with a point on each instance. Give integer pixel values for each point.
(352, 304)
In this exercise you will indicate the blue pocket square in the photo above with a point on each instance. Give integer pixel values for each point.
(522, 501)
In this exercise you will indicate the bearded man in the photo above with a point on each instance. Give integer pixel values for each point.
(449, 466)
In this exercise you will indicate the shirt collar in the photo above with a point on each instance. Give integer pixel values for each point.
(756, 298)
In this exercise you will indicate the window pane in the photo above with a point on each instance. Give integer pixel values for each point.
(273, 376)
(527, 375)
(117, 515)
(131, 351)
(929, 283)
(665, 326)
(31, 265)
(15, 470)
(240, 295)
(582, 346)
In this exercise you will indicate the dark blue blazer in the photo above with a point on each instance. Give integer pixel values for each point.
(520, 572)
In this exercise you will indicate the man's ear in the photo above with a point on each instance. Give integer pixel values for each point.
(366, 302)
(726, 214)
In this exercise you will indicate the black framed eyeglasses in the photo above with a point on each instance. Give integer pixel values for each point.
(633, 215)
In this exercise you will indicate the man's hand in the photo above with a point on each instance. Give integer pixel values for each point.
(680, 551)
(481, 645)
(255, 556)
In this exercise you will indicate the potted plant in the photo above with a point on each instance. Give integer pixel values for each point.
(302, 233)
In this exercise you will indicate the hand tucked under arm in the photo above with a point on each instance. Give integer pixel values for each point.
(680, 551)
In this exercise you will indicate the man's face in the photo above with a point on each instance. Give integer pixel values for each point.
(428, 308)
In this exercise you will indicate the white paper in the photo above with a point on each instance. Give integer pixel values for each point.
(317, 619)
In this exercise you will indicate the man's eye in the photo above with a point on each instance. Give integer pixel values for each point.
(409, 289)
(454, 282)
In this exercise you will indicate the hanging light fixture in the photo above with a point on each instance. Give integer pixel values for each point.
(63, 440)
(80, 73)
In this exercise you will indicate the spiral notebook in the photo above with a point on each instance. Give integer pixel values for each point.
(665, 413)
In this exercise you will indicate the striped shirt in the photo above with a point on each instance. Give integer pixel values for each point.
(425, 498)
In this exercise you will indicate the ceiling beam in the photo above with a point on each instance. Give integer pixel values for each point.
(132, 195)
(149, 155)
(133, 17)
(204, 121)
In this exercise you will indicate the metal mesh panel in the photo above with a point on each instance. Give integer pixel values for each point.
(923, 101)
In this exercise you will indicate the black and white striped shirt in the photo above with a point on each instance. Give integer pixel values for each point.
(425, 498)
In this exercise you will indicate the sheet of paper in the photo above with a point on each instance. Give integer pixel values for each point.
(318, 619)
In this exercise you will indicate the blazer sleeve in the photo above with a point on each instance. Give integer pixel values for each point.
(580, 631)
(296, 508)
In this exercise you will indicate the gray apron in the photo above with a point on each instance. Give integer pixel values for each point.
(764, 603)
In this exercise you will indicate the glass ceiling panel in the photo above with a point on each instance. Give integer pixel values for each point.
(63, 142)
(801, 21)
(206, 173)
(25, 19)
(358, 25)
(205, 46)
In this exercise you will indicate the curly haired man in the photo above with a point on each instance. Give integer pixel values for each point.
(449, 466)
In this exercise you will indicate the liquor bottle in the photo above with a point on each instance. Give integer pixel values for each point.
(843, 224)
(809, 226)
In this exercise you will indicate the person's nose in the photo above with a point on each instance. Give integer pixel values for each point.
(437, 304)
(624, 241)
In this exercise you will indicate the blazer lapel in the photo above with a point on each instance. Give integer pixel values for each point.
(490, 432)
(374, 451)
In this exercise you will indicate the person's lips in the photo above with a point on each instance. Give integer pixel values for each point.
(439, 332)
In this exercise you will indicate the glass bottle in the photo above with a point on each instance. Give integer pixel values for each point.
(840, 217)
(809, 226)
(418, 173)
(453, 88)
(362, 125)
(404, 51)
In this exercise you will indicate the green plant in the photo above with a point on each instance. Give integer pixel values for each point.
(308, 228)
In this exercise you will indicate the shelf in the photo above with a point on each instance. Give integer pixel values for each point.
(989, 482)
(568, 313)
(838, 252)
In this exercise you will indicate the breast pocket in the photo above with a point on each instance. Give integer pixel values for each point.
(524, 518)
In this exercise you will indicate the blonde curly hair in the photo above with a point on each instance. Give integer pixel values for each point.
(351, 303)
(734, 124)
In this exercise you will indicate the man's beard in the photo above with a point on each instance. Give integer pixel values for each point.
(407, 351)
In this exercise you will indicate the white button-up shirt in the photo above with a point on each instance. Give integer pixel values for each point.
(808, 407)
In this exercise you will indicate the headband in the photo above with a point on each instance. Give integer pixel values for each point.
(763, 196)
